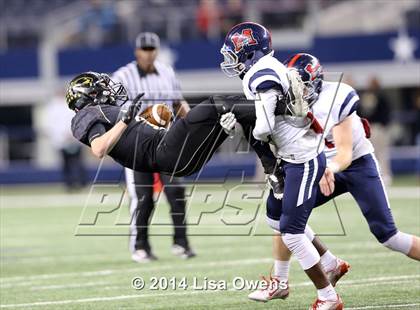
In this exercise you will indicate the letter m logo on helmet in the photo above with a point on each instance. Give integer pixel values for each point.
(245, 38)
(313, 71)
(243, 46)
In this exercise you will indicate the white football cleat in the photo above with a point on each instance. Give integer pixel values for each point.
(143, 256)
(340, 270)
(328, 304)
(276, 289)
(184, 252)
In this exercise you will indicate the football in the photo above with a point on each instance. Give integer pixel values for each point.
(158, 114)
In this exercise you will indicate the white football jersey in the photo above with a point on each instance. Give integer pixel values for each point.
(293, 144)
(336, 102)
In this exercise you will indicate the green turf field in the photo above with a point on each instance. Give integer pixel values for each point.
(45, 266)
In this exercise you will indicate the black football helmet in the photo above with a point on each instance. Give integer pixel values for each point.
(92, 88)
(311, 73)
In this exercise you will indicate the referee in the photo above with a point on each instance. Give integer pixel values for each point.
(159, 83)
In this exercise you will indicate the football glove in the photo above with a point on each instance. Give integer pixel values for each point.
(129, 113)
(296, 104)
(228, 121)
(276, 182)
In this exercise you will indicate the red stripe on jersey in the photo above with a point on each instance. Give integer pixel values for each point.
(315, 125)
(329, 144)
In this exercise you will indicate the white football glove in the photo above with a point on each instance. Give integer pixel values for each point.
(298, 106)
(228, 121)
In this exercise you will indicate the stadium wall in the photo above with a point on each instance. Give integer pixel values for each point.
(22, 80)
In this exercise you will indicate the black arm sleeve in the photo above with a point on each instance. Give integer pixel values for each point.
(85, 120)
(245, 114)
(95, 131)
(264, 153)
(244, 111)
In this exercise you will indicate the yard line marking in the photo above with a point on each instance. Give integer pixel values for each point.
(384, 306)
(42, 201)
(94, 299)
(136, 269)
(7, 282)
(363, 282)
(387, 283)
(125, 297)
(89, 257)
(72, 285)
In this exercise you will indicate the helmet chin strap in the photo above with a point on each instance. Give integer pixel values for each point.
(248, 63)
(103, 102)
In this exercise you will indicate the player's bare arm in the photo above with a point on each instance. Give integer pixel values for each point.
(103, 144)
(264, 109)
(343, 140)
(342, 134)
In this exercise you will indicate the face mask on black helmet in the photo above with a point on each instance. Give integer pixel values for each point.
(92, 88)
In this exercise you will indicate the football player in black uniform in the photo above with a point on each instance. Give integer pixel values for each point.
(183, 149)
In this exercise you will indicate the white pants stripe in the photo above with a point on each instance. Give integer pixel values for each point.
(380, 178)
(315, 160)
(131, 187)
(303, 184)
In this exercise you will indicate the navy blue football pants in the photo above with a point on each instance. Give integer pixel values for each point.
(300, 189)
(362, 180)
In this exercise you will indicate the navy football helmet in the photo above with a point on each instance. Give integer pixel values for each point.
(92, 88)
(244, 45)
(311, 73)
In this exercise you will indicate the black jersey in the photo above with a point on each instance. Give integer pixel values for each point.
(180, 151)
(136, 149)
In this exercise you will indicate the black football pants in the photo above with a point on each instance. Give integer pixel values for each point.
(140, 188)
(192, 141)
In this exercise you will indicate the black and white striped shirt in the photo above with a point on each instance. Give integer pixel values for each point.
(159, 86)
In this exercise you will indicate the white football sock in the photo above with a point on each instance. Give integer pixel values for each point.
(302, 248)
(400, 242)
(327, 293)
(281, 269)
(328, 261)
(309, 233)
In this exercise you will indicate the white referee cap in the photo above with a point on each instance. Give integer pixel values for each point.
(147, 39)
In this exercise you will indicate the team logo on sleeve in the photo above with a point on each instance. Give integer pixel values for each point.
(245, 38)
